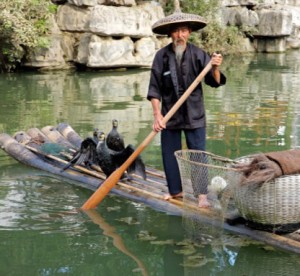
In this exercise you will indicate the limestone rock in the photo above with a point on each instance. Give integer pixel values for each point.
(251, 3)
(293, 43)
(72, 18)
(90, 3)
(82, 50)
(67, 45)
(117, 33)
(128, 3)
(53, 56)
(271, 45)
(274, 22)
(105, 52)
(59, 2)
(239, 16)
(235, 3)
(123, 21)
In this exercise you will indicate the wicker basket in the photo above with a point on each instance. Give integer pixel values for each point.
(276, 202)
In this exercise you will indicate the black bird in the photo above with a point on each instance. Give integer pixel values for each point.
(109, 160)
(95, 135)
(87, 153)
(114, 139)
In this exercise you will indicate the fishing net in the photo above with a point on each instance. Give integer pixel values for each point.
(270, 205)
(205, 173)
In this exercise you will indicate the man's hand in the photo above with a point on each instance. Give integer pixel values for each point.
(216, 60)
(158, 124)
(158, 117)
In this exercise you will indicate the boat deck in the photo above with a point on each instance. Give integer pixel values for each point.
(150, 191)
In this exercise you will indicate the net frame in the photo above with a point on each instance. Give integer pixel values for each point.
(203, 172)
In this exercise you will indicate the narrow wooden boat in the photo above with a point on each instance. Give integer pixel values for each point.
(27, 148)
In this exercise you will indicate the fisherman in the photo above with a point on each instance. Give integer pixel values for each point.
(174, 68)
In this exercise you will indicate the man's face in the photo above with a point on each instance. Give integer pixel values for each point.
(180, 35)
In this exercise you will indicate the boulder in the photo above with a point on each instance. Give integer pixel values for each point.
(123, 21)
(73, 19)
(50, 57)
(240, 16)
(55, 54)
(88, 3)
(59, 2)
(127, 3)
(106, 52)
(274, 22)
(117, 33)
(82, 50)
(271, 45)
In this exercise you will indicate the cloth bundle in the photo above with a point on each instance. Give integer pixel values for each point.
(267, 166)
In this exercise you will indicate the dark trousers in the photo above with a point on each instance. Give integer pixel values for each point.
(171, 142)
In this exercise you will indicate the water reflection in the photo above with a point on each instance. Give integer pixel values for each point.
(253, 112)
(109, 231)
(257, 111)
(33, 200)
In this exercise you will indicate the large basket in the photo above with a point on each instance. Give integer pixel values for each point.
(203, 172)
(275, 203)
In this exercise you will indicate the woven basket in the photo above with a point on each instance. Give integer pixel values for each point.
(276, 202)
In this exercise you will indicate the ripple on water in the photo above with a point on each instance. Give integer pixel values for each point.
(39, 203)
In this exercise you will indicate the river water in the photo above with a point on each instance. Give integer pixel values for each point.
(41, 231)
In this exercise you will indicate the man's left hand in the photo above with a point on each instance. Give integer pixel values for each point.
(216, 59)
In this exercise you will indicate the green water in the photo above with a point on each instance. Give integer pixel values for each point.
(41, 230)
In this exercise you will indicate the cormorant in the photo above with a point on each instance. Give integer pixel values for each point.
(114, 139)
(87, 153)
(95, 135)
(109, 160)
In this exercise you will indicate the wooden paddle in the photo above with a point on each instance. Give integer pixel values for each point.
(113, 179)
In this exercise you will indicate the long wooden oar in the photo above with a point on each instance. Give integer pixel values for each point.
(112, 180)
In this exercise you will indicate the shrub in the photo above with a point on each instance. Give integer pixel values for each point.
(23, 25)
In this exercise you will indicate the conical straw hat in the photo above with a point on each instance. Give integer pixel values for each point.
(163, 26)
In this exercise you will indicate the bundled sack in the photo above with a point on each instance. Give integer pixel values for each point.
(267, 166)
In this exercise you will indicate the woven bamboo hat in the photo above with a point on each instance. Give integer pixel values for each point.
(164, 25)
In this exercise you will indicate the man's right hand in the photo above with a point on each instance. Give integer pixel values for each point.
(158, 124)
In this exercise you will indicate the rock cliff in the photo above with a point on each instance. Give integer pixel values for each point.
(275, 24)
(117, 33)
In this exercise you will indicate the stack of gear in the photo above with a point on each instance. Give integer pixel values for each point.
(268, 166)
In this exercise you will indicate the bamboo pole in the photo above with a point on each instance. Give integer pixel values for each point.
(111, 181)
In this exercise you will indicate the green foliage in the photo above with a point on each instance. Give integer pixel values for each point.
(201, 7)
(214, 37)
(217, 38)
(23, 26)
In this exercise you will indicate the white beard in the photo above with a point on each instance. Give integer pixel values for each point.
(179, 50)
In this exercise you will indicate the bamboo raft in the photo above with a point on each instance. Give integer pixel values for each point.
(150, 192)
